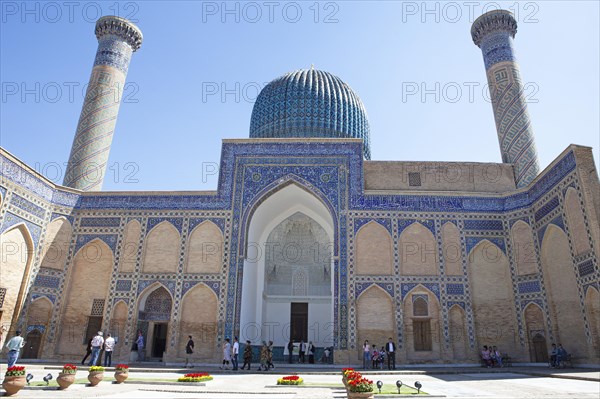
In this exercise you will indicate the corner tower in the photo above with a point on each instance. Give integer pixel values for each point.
(494, 32)
(118, 39)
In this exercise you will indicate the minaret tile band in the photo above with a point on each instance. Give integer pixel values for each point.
(117, 40)
(494, 32)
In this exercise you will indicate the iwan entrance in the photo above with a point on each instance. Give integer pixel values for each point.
(299, 322)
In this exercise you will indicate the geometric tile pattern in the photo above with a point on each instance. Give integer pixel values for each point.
(309, 103)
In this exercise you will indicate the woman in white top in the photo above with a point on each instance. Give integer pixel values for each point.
(366, 354)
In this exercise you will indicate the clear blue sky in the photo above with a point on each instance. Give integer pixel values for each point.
(170, 126)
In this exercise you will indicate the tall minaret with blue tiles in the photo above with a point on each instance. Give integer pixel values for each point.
(494, 32)
(118, 39)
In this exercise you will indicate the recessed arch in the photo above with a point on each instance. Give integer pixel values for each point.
(452, 251)
(536, 333)
(576, 222)
(293, 205)
(161, 249)
(130, 245)
(88, 282)
(493, 298)
(524, 248)
(418, 251)
(15, 263)
(375, 317)
(56, 243)
(592, 310)
(374, 250)
(422, 334)
(205, 249)
(202, 326)
(457, 331)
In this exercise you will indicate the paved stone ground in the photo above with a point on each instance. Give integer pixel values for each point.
(452, 382)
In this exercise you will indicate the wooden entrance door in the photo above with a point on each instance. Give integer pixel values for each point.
(299, 322)
(33, 341)
(539, 350)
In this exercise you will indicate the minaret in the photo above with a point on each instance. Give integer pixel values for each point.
(117, 40)
(494, 32)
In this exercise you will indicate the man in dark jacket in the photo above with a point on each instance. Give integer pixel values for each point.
(390, 350)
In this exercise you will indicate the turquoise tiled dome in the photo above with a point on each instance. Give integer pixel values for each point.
(310, 103)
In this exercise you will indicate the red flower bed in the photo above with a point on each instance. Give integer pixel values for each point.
(69, 368)
(15, 371)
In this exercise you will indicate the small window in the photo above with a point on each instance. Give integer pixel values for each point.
(414, 179)
(2, 296)
(97, 307)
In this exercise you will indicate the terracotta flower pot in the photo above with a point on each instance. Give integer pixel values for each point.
(121, 376)
(65, 380)
(94, 377)
(360, 395)
(13, 384)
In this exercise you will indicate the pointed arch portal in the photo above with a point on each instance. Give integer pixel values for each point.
(288, 270)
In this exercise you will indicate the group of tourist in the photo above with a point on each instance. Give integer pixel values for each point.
(232, 351)
(95, 345)
(491, 356)
(304, 349)
(375, 358)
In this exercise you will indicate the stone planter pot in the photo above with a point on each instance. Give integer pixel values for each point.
(65, 380)
(13, 384)
(121, 376)
(95, 377)
(361, 395)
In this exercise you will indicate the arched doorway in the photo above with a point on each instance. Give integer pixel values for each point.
(153, 321)
(539, 349)
(287, 277)
(33, 342)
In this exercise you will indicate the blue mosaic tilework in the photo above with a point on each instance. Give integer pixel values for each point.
(497, 47)
(3, 192)
(404, 223)
(40, 327)
(513, 221)
(51, 298)
(108, 239)
(309, 103)
(546, 208)
(360, 222)
(473, 241)
(112, 51)
(168, 284)
(586, 267)
(123, 285)
(483, 225)
(64, 198)
(176, 222)
(117, 299)
(27, 206)
(196, 221)
(15, 173)
(11, 220)
(529, 287)
(455, 289)
(99, 222)
(433, 287)
(449, 304)
(46, 281)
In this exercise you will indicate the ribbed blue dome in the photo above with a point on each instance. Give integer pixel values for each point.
(310, 103)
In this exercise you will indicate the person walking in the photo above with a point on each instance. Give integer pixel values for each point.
(226, 354)
(14, 346)
(311, 353)
(109, 347)
(247, 355)
(270, 364)
(290, 347)
(189, 349)
(390, 351)
(97, 343)
(140, 346)
(236, 351)
(264, 357)
(88, 350)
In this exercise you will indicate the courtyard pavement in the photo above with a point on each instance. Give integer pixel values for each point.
(448, 381)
